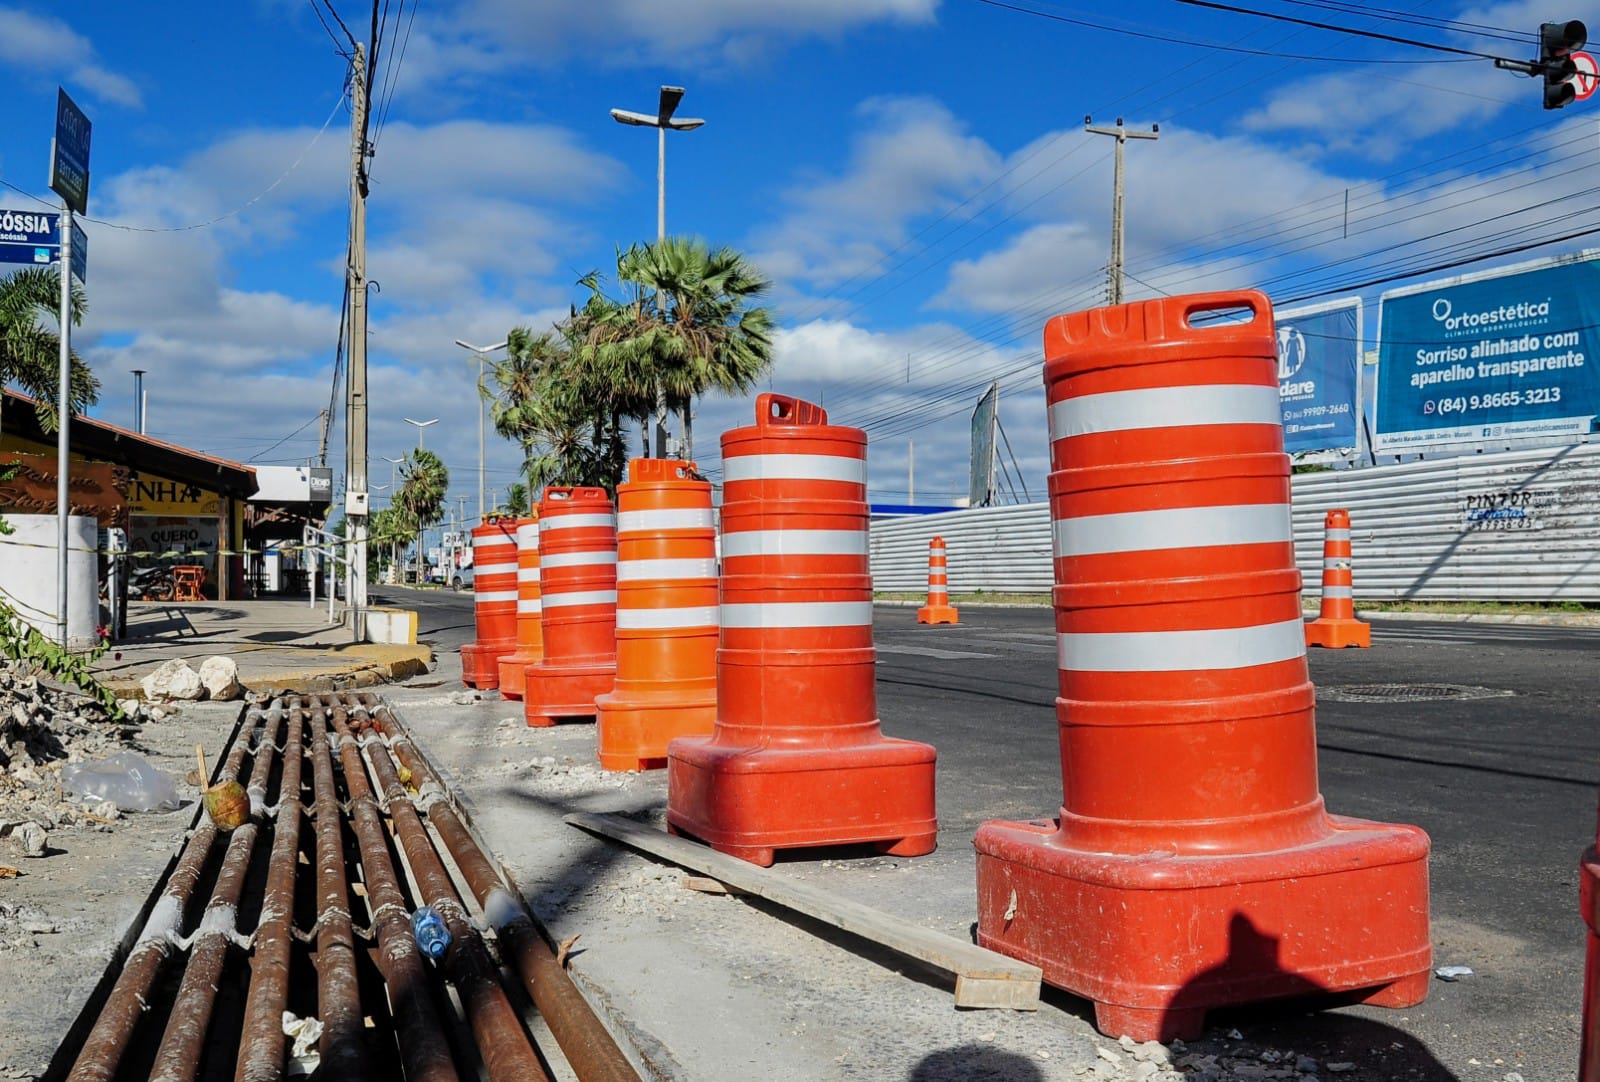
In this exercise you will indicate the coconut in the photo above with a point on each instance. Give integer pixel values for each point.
(227, 804)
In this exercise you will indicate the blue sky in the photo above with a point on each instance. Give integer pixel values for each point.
(912, 174)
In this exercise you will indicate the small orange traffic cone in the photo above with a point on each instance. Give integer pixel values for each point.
(938, 610)
(1337, 626)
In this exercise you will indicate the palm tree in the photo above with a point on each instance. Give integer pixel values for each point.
(30, 352)
(424, 481)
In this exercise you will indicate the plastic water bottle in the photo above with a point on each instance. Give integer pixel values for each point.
(430, 931)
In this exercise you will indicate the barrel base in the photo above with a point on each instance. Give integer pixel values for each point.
(632, 731)
(565, 690)
(938, 614)
(1336, 633)
(1156, 940)
(749, 802)
(514, 672)
(480, 663)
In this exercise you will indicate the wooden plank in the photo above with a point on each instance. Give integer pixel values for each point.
(983, 978)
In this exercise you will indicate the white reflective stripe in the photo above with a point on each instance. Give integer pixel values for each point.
(1175, 527)
(489, 540)
(795, 543)
(1166, 407)
(1336, 534)
(1338, 591)
(666, 518)
(577, 559)
(582, 597)
(634, 570)
(527, 574)
(850, 469)
(491, 596)
(1182, 651)
(528, 536)
(494, 569)
(1336, 563)
(525, 604)
(573, 522)
(666, 619)
(798, 614)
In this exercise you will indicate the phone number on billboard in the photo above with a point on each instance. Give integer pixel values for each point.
(1534, 396)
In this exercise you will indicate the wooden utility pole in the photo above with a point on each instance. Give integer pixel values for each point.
(356, 495)
(1122, 135)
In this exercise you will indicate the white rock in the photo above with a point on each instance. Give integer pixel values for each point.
(1341, 1068)
(220, 676)
(172, 680)
(33, 838)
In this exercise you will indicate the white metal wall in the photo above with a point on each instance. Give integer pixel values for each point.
(1512, 526)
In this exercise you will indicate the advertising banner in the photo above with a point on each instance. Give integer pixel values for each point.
(980, 467)
(1319, 364)
(1484, 358)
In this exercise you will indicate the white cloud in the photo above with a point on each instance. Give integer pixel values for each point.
(50, 47)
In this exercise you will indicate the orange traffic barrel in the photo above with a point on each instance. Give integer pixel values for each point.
(494, 601)
(578, 588)
(938, 610)
(797, 757)
(1210, 874)
(666, 616)
(1337, 626)
(1589, 904)
(530, 638)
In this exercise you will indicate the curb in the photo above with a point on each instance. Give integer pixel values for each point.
(366, 673)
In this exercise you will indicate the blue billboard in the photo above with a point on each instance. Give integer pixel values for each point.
(1319, 363)
(1489, 357)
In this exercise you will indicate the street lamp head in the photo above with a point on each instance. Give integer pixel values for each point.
(638, 120)
(422, 424)
(670, 97)
(480, 349)
(686, 124)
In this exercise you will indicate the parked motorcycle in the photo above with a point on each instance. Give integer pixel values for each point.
(154, 583)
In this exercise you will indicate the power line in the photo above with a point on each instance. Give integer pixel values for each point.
(1313, 24)
(338, 45)
(351, 38)
(1412, 19)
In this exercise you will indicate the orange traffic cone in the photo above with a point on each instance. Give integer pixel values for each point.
(494, 601)
(1211, 875)
(578, 605)
(666, 616)
(1337, 626)
(938, 610)
(530, 638)
(797, 757)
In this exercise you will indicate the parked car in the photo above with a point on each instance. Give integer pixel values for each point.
(461, 579)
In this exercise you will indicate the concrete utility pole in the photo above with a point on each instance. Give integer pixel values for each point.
(356, 495)
(63, 427)
(1122, 135)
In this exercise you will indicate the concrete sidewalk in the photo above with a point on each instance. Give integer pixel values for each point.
(275, 643)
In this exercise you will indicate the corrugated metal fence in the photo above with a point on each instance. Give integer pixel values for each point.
(1512, 526)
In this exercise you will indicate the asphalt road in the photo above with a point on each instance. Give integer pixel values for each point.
(1504, 785)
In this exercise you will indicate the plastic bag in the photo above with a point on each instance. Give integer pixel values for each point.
(124, 778)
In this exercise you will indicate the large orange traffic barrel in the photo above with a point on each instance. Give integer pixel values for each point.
(1337, 626)
(1589, 907)
(938, 610)
(530, 637)
(797, 757)
(494, 601)
(1193, 865)
(578, 587)
(666, 616)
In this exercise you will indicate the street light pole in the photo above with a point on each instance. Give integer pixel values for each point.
(480, 351)
(420, 426)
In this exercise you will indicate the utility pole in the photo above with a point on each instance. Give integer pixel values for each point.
(322, 438)
(356, 495)
(1122, 135)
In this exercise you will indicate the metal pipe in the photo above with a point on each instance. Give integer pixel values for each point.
(584, 1040)
(178, 1058)
(423, 1045)
(261, 1043)
(338, 989)
(108, 1041)
(504, 1045)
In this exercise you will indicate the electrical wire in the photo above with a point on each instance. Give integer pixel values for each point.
(1352, 31)
(338, 45)
(335, 13)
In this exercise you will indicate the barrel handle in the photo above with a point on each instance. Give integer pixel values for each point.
(775, 410)
(1256, 301)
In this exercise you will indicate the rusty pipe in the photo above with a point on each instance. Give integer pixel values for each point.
(108, 1041)
(423, 1045)
(261, 1043)
(495, 1025)
(178, 1058)
(584, 1040)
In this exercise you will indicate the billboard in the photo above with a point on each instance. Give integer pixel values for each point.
(980, 466)
(1319, 364)
(1489, 357)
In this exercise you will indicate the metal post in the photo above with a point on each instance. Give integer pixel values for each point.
(1122, 135)
(138, 400)
(481, 407)
(64, 424)
(356, 464)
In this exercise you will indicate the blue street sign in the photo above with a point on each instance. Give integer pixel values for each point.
(30, 238)
(80, 252)
(69, 158)
(1319, 356)
(1485, 358)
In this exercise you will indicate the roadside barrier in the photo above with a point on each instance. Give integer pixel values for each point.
(938, 610)
(494, 601)
(1589, 903)
(1194, 865)
(530, 635)
(578, 584)
(666, 616)
(1337, 626)
(797, 757)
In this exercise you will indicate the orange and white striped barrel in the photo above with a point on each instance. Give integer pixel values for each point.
(797, 757)
(494, 601)
(578, 603)
(666, 616)
(530, 637)
(1337, 626)
(938, 610)
(1180, 649)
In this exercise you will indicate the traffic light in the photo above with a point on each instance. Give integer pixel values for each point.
(1557, 43)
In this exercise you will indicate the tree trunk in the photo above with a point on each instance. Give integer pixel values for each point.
(687, 423)
(662, 412)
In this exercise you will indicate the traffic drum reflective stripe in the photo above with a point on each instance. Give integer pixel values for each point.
(494, 597)
(578, 604)
(530, 630)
